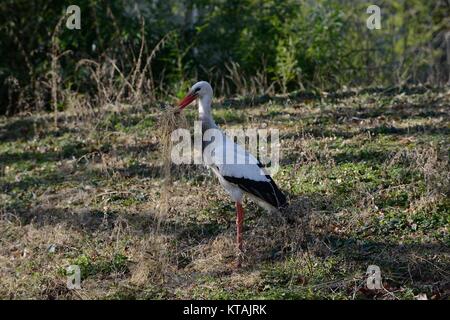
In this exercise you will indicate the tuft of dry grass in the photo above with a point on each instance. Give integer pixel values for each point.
(169, 120)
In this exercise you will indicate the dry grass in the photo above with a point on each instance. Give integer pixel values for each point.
(367, 177)
(169, 120)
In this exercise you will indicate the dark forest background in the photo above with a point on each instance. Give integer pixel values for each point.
(140, 51)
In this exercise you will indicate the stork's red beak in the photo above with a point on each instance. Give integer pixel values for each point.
(187, 100)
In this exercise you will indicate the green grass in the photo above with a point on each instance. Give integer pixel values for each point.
(90, 266)
(367, 177)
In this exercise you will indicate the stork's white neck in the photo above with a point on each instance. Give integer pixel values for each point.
(204, 107)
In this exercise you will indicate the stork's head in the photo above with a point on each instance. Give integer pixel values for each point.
(199, 90)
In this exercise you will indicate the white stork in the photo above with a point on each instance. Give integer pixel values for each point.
(244, 176)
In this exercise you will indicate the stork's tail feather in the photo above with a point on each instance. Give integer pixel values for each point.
(281, 200)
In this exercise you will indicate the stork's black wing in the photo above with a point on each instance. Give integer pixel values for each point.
(267, 191)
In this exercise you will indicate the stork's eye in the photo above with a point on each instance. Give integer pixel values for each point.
(197, 89)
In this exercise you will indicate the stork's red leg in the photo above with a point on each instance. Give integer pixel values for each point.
(239, 227)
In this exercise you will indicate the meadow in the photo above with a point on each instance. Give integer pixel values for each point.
(366, 172)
